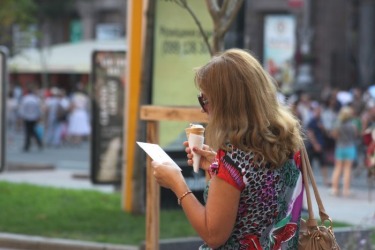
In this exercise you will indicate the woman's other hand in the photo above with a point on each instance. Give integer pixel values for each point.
(206, 153)
(167, 175)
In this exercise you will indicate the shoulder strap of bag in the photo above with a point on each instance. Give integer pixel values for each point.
(308, 176)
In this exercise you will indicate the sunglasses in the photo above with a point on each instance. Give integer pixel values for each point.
(203, 102)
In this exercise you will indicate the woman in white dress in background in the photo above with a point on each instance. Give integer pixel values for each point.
(79, 121)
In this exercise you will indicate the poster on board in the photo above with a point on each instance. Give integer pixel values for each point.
(3, 92)
(279, 49)
(178, 49)
(108, 86)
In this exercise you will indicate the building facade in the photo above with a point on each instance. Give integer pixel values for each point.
(333, 43)
(86, 20)
(335, 39)
(64, 22)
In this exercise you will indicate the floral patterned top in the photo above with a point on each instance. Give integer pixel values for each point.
(270, 203)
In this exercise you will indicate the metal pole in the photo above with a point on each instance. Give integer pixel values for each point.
(4, 96)
(304, 77)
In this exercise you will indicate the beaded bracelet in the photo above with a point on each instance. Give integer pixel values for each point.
(183, 196)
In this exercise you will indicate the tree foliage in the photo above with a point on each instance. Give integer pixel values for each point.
(25, 12)
(30, 13)
(21, 12)
(223, 13)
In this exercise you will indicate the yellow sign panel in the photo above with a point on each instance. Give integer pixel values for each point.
(178, 49)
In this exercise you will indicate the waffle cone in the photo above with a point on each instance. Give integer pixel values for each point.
(196, 131)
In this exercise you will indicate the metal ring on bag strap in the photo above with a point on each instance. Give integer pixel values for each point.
(330, 227)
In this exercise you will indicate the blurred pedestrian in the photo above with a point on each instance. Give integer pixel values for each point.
(358, 108)
(368, 122)
(304, 108)
(63, 116)
(30, 111)
(56, 112)
(358, 102)
(79, 122)
(316, 141)
(11, 116)
(18, 93)
(329, 117)
(368, 135)
(345, 133)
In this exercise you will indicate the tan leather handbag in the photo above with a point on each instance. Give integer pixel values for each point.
(313, 236)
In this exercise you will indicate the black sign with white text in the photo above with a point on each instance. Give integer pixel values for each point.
(108, 78)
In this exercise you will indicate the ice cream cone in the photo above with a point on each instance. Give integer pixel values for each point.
(194, 129)
(194, 134)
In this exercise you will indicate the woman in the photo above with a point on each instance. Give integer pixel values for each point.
(11, 117)
(79, 121)
(345, 134)
(254, 196)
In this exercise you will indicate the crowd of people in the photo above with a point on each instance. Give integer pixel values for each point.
(50, 117)
(339, 133)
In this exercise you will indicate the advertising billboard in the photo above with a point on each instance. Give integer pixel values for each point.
(178, 49)
(108, 86)
(279, 49)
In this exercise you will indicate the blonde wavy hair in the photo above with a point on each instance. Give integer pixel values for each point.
(244, 110)
(346, 113)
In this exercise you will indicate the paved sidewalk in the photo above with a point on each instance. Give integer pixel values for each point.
(358, 210)
(59, 178)
(23, 242)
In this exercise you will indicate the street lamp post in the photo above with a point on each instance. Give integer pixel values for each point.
(304, 77)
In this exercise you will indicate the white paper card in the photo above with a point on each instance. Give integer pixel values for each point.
(156, 153)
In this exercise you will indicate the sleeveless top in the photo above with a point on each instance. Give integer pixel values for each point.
(346, 134)
(270, 203)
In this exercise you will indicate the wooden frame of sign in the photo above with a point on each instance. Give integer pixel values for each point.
(153, 115)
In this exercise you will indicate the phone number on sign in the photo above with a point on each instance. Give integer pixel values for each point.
(176, 47)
